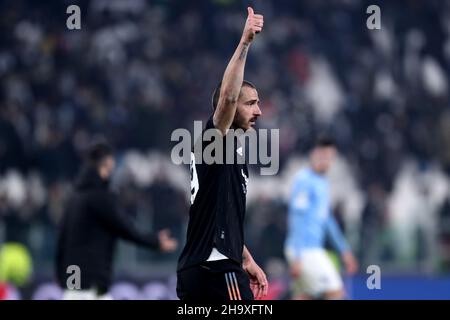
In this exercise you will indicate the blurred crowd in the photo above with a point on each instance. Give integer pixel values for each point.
(139, 69)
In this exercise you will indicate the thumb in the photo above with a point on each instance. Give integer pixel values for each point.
(250, 11)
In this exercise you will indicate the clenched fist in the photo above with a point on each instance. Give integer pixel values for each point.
(253, 25)
(166, 242)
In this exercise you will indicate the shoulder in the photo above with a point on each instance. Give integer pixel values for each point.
(209, 123)
(98, 199)
(303, 177)
(208, 129)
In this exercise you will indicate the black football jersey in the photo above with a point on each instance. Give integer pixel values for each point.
(218, 196)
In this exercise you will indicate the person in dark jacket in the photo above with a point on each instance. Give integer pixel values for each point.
(89, 230)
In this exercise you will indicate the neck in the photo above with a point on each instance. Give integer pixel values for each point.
(102, 174)
(317, 171)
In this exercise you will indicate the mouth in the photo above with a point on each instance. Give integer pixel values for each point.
(252, 122)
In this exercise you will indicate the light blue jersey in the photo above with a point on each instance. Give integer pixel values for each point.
(310, 218)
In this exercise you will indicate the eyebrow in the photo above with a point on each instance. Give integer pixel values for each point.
(252, 101)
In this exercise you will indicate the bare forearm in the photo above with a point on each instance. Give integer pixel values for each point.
(234, 73)
(231, 87)
(246, 256)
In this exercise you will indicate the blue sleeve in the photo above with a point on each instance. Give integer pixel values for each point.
(299, 206)
(337, 238)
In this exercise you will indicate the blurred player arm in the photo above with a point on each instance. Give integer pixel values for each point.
(298, 211)
(258, 280)
(117, 222)
(340, 245)
(234, 74)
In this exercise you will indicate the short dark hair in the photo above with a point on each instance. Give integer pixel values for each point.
(324, 141)
(216, 93)
(98, 150)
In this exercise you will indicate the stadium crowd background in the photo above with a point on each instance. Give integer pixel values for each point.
(137, 70)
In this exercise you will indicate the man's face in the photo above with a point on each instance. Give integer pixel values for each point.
(247, 111)
(107, 167)
(322, 158)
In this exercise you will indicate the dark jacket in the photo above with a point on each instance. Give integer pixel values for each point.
(89, 230)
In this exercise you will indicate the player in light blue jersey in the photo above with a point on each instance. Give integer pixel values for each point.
(310, 222)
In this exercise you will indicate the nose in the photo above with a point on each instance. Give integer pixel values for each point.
(257, 111)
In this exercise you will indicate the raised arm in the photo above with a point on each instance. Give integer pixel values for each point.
(234, 74)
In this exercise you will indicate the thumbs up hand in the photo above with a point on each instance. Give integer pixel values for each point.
(253, 25)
